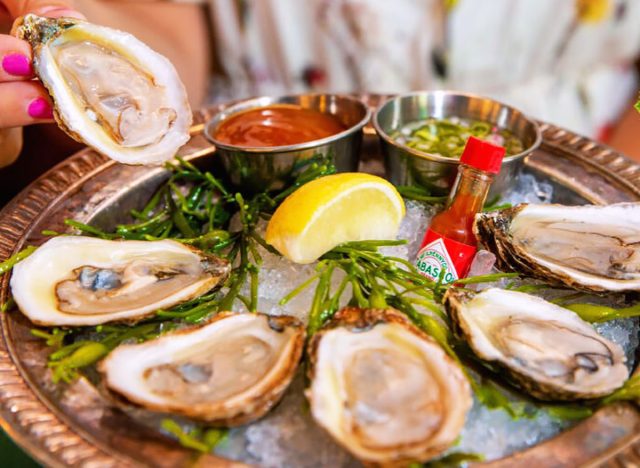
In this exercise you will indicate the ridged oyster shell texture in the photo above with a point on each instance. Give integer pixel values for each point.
(229, 371)
(109, 90)
(548, 350)
(383, 389)
(77, 280)
(592, 248)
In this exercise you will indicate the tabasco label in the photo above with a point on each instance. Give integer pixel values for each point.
(439, 253)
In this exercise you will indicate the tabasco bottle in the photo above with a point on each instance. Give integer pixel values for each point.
(449, 243)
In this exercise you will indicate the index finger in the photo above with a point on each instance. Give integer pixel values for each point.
(15, 59)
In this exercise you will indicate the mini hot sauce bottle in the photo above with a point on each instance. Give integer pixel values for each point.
(449, 243)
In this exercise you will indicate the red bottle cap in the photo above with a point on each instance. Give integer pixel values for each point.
(482, 155)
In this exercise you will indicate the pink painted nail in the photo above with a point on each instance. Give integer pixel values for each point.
(40, 109)
(17, 64)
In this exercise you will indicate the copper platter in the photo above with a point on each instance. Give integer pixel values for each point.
(77, 428)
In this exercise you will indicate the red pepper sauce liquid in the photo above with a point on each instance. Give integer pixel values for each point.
(277, 125)
(456, 222)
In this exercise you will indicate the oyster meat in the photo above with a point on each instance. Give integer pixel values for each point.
(229, 371)
(383, 389)
(592, 248)
(548, 350)
(109, 90)
(76, 280)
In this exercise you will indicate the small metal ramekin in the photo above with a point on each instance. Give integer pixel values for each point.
(266, 168)
(408, 166)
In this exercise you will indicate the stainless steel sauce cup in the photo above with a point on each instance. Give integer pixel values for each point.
(265, 168)
(408, 166)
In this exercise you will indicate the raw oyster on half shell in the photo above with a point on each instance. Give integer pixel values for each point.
(383, 389)
(592, 248)
(548, 350)
(109, 90)
(228, 372)
(77, 280)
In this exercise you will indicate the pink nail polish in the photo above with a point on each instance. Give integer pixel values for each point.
(17, 64)
(40, 108)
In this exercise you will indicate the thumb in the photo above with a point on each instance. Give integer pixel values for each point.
(50, 8)
(58, 12)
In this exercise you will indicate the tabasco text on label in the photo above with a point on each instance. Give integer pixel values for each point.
(440, 254)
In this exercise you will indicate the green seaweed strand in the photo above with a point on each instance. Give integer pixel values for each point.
(10, 262)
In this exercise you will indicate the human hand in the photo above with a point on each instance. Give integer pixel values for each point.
(23, 100)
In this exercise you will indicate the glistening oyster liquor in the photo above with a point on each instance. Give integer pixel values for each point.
(449, 244)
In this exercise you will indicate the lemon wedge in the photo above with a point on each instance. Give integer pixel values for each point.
(334, 209)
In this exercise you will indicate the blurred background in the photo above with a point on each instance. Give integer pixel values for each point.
(569, 62)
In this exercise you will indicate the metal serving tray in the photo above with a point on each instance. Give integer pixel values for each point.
(76, 427)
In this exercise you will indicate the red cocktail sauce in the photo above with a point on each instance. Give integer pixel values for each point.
(277, 125)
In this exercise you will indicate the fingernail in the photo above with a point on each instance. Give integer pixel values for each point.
(40, 109)
(17, 64)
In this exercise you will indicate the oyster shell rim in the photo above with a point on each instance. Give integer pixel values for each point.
(79, 320)
(27, 28)
(358, 319)
(491, 229)
(258, 406)
(542, 391)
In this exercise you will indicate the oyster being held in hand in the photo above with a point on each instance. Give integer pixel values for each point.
(593, 248)
(76, 280)
(109, 90)
(229, 371)
(383, 389)
(549, 350)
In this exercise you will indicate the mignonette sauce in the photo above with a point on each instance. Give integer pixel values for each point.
(449, 244)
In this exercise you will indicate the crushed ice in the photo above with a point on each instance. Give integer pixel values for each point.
(287, 436)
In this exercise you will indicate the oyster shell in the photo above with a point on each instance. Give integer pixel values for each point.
(229, 371)
(383, 389)
(109, 90)
(76, 280)
(592, 248)
(550, 351)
